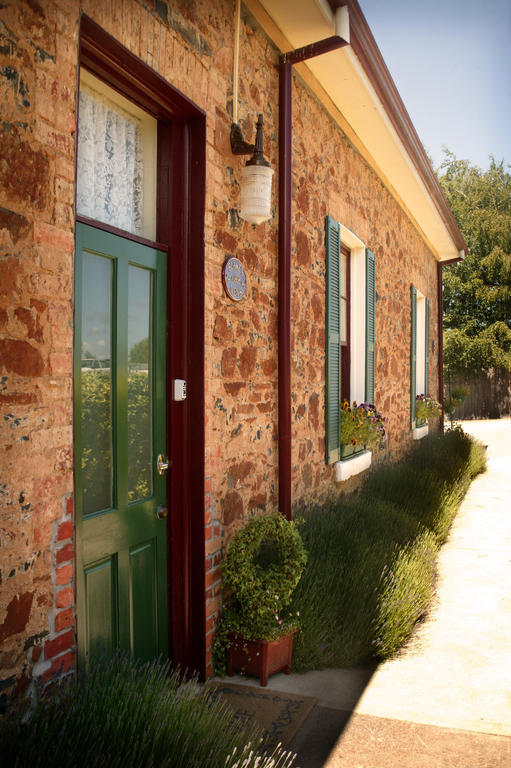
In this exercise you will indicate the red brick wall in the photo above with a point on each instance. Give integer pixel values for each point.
(191, 45)
(37, 96)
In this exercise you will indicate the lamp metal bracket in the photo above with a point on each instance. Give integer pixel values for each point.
(240, 147)
(238, 144)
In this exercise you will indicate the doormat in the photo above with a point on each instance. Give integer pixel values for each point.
(279, 714)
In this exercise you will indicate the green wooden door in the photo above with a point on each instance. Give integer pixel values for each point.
(120, 323)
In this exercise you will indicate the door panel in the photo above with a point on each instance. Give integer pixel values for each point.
(101, 606)
(120, 429)
(143, 599)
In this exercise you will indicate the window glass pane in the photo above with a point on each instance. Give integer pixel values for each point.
(420, 383)
(116, 159)
(344, 322)
(140, 454)
(344, 274)
(96, 384)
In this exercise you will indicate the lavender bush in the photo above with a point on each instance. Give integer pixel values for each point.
(371, 558)
(122, 714)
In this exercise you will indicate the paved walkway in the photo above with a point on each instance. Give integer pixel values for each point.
(446, 700)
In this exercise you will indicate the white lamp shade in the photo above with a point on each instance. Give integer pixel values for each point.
(256, 193)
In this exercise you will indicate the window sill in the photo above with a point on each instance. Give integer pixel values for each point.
(352, 466)
(420, 432)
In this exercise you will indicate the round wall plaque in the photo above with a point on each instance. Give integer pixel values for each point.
(234, 278)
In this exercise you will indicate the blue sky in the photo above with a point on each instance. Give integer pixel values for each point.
(451, 63)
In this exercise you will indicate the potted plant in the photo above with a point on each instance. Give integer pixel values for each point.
(262, 567)
(362, 426)
(426, 408)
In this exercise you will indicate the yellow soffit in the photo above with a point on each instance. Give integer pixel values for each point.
(342, 78)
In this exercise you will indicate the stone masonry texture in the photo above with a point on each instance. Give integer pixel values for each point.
(189, 43)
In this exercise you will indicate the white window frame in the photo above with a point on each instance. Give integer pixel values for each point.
(358, 312)
(420, 365)
(353, 466)
(420, 358)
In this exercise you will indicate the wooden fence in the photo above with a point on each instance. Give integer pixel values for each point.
(489, 395)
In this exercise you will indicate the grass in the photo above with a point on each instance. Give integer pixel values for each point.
(371, 564)
(120, 713)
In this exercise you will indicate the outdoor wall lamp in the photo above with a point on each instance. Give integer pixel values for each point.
(256, 176)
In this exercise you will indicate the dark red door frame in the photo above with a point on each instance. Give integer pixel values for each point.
(285, 211)
(180, 226)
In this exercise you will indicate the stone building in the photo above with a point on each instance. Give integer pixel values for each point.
(129, 335)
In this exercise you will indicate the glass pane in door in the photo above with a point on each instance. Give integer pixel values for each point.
(140, 459)
(96, 384)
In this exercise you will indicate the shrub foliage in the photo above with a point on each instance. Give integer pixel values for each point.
(122, 714)
(371, 563)
(262, 567)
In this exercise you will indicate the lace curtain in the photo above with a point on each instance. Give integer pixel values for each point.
(110, 166)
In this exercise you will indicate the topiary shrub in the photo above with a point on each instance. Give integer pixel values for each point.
(262, 567)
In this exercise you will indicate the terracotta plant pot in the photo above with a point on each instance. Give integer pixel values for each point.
(260, 658)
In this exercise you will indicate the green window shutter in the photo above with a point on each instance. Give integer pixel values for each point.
(370, 324)
(426, 357)
(413, 355)
(333, 340)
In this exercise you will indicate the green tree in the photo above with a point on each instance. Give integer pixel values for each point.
(96, 432)
(139, 352)
(477, 291)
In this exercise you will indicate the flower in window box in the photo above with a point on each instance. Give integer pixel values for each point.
(426, 408)
(362, 426)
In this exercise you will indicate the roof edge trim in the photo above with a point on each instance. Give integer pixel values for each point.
(365, 48)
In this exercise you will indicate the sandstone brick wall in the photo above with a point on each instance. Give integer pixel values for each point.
(190, 43)
(38, 43)
(330, 177)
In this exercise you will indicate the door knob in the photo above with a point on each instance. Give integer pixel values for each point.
(162, 464)
(161, 512)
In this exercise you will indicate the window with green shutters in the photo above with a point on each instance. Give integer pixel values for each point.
(333, 340)
(361, 346)
(370, 324)
(420, 308)
(426, 334)
(413, 354)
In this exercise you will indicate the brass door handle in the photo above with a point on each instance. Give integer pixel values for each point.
(162, 464)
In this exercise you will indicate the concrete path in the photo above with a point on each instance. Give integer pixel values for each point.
(446, 700)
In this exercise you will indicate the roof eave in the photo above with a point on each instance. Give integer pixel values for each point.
(365, 47)
(357, 90)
